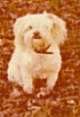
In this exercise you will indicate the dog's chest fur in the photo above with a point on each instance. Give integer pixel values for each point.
(39, 65)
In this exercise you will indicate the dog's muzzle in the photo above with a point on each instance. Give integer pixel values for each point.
(39, 44)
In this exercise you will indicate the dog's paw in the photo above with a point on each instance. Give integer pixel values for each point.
(50, 84)
(28, 89)
(49, 88)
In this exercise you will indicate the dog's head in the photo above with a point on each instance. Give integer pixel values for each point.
(39, 31)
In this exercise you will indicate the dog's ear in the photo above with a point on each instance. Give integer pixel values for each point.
(59, 30)
(20, 25)
(19, 28)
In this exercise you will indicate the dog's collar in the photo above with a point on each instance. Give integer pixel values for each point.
(44, 52)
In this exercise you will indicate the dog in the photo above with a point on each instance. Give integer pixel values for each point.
(37, 49)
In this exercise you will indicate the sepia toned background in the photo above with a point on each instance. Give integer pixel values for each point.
(64, 100)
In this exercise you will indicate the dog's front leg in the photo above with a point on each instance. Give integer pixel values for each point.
(14, 72)
(26, 80)
(51, 81)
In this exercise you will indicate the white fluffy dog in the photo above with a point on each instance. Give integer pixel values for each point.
(37, 53)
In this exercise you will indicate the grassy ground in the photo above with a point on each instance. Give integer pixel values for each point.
(64, 100)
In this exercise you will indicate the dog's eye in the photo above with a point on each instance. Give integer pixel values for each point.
(28, 28)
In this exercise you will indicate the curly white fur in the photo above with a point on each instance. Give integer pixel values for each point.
(27, 64)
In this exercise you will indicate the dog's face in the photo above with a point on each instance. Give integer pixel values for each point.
(38, 32)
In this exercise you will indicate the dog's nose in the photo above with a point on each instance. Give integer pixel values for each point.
(36, 35)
